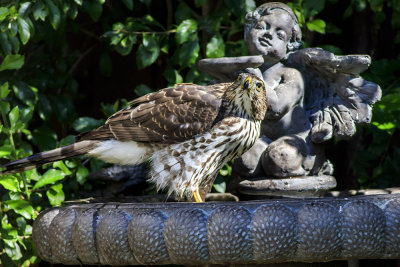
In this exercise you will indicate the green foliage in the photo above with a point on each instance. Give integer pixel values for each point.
(48, 49)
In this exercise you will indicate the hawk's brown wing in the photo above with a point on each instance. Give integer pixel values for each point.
(170, 115)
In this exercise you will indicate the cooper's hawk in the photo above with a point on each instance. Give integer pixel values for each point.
(188, 132)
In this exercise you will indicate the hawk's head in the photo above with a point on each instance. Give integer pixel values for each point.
(249, 96)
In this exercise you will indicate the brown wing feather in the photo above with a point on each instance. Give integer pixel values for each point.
(170, 115)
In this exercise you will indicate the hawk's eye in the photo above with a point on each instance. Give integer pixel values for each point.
(258, 86)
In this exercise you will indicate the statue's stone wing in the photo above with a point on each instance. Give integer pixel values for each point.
(336, 97)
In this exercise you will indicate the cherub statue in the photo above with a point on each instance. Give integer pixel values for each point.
(312, 95)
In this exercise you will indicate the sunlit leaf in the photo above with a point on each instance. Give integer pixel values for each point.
(14, 116)
(147, 52)
(49, 177)
(55, 15)
(22, 207)
(317, 25)
(216, 47)
(84, 124)
(39, 11)
(240, 8)
(81, 174)
(9, 182)
(60, 164)
(22, 12)
(186, 31)
(125, 45)
(55, 195)
(13, 250)
(188, 53)
(24, 31)
(4, 91)
(12, 62)
(3, 13)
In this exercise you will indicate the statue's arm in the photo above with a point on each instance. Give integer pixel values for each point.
(285, 89)
(226, 69)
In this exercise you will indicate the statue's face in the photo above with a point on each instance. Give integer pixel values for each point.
(270, 35)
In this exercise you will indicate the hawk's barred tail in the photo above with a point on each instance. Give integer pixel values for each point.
(39, 159)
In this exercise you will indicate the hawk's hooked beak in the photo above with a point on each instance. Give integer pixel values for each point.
(246, 84)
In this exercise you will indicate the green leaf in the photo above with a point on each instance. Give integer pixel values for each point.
(188, 53)
(93, 8)
(220, 184)
(317, 25)
(49, 177)
(60, 164)
(85, 124)
(142, 90)
(386, 126)
(240, 8)
(13, 250)
(3, 13)
(172, 76)
(81, 174)
(147, 52)
(186, 31)
(5, 150)
(4, 91)
(216, 47)
(24, 30)
(23, 9)
(313, 7)
(182, 12)
(56, 195)
(128, 4)
(125, 45)
(12, 62)
(43, 107)
(8, 232)
(9, 182)
(24, 228)
(55, 15)
(25, 93)
(4, 107)
(21, 207)
(13, 116)
(73, 12)
(39, 12)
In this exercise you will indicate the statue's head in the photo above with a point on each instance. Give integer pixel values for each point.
(272, 30)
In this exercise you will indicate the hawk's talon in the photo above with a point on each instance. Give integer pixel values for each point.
(197, 196)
